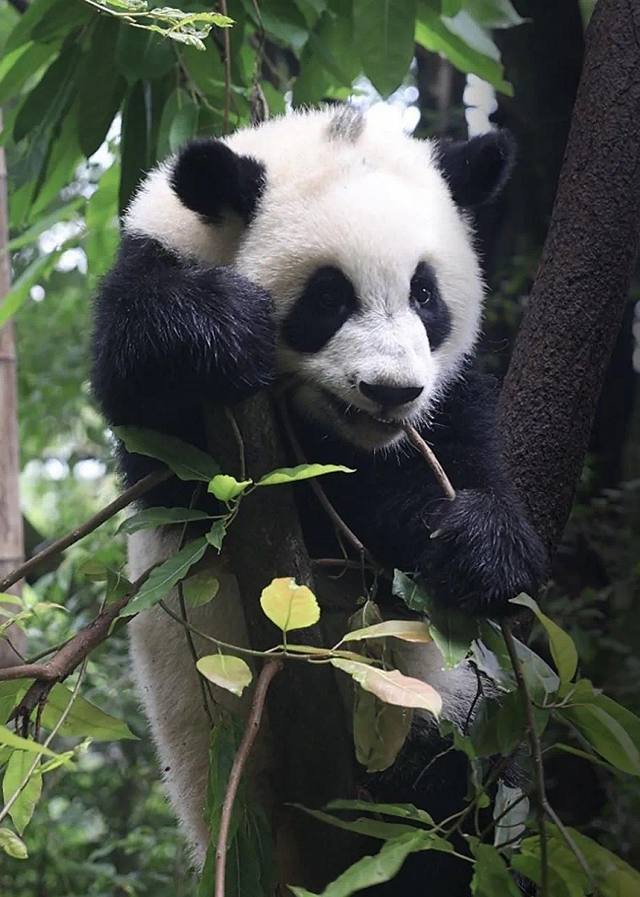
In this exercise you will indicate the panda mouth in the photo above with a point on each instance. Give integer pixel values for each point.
(357, 416)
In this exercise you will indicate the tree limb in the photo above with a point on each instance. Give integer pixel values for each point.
(129, 495)
(577, 302)
(254, 719)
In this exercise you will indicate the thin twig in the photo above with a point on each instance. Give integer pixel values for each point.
(227, 68)
(129, 495)
(75, 649)
(572, 846)
(336, 519)
(23, 784)
(267, 673)
(429, 456)
(536, 754)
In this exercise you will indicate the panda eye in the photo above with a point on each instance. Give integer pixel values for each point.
(423, 284)
(329, 301)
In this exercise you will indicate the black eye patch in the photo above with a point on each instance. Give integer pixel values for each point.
(327, 301)
(429, 305)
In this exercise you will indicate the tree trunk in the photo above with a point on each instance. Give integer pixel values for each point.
(11, 539)
(578, 299)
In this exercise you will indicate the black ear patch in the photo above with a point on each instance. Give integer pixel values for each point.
(210, 179)
(477, 169)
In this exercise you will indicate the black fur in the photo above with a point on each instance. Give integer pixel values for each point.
(427, 300)
(211, 179)
(478, 169)
(170, 335)
(486, 551)
(325, 304)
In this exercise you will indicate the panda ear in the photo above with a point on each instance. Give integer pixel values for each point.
(477, 169)
(210, 179)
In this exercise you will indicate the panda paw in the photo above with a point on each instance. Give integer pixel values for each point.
(483, 551)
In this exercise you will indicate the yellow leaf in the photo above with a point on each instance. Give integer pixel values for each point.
(289, 605)
(392, 686)
(227, 671)
(407, 630)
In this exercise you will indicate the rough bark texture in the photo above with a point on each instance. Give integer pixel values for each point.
(578, 299)
(11, 540)
(312, 748)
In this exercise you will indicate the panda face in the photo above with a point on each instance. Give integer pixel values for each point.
(360, 234)
(377, 295)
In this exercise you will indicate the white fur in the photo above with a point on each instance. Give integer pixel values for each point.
(374, 206)
(169, 689)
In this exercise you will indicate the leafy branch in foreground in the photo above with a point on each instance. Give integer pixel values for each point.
(190, 28)
(531, 694)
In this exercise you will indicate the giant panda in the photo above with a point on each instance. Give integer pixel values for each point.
(330, 248)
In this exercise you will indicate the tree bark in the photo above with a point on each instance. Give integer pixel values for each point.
(11, 538)
(578, 299)
(309, 740)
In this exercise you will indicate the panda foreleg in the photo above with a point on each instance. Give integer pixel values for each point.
(170, 333)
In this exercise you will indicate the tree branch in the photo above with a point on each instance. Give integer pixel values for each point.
(267, 673)
(129, 495)
(576, 305)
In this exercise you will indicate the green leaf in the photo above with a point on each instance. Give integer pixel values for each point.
(384, 35)
(216, 534)
(8, 696)
(12, 845)
(23, 744)
(392, 686)
(289, 605)
(21, 32)
(433, 34)
(453, 632)
(563, 649)
(373, 870)
(141, 55)
(610, 729)
(379, 731)
(153, 517)
(60, 20)
(84, 718)
(404, 811)
(20, 65)
(282, 20)
(226, 671)
(186, 461)
(165, 577)
(101, 87)
(19, 292)
(226, 487)
(201, 588)
(411, 591)
(301, 472)
(451, 7)
(184, 125)
(17, 768)
(373, 828)
(494, 13)
(569, 749)
(64, 157)
(473, 34)
(490, 874)
(49, 100)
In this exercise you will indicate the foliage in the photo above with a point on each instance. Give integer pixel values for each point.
(610, 733)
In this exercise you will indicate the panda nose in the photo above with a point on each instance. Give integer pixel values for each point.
(389, 396)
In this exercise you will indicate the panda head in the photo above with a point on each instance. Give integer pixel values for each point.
(361, 235)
